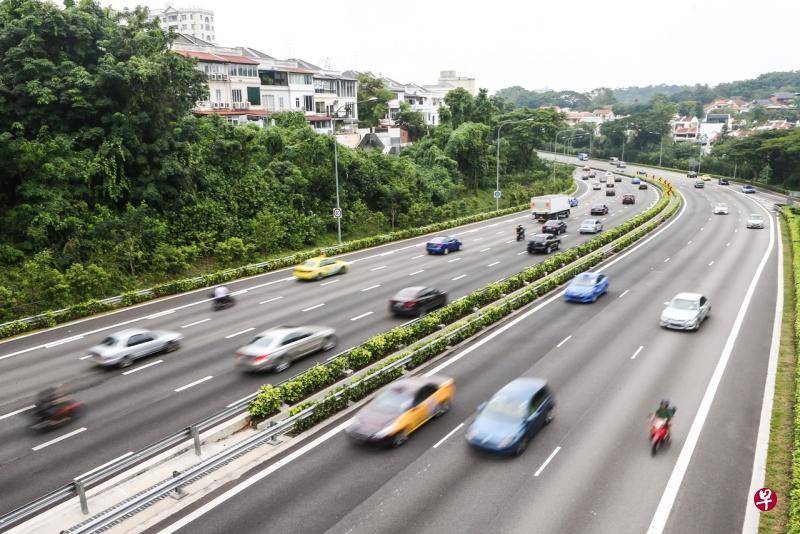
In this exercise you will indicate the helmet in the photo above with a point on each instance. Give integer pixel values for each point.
(664, 402)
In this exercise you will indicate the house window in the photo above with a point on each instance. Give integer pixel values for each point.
(218, 95)
(269, 102)
(297, 103)
(320, 107)
(236, 95)
(308, 103)
(280, 103)
(254, 95)
(272, 77)
(183, 17)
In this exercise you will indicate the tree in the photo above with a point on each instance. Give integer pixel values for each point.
(412, 122)
(468, 147)
(370, 112)
(461, 105)
(483, 108)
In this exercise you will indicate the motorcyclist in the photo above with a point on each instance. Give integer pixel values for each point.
(666, 412)
(520, 232)
(221, 294)
(47, 403)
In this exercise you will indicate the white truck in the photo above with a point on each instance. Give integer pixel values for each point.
(550, 207)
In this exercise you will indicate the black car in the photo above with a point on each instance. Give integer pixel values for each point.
(723, 181)
(599, 209)
(546, 243)
(611, 193)
(417, 300)
(642, 185)
(691, 174)
(554, 226)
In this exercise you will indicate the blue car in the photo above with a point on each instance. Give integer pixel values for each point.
(636, 181)
(573, 202)
(513, 416)
(443, 245)
(748, 189)
(586, 287)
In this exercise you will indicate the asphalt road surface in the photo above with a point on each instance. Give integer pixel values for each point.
(608, 363)
(131, 408)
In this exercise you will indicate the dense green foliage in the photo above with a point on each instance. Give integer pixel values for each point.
(792, 219)
(109, 183)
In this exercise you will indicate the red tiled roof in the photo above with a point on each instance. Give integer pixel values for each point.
(216, 58)
(679, 131)
(317, 118)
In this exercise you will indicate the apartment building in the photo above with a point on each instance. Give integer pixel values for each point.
(194, 22)
(449, 77)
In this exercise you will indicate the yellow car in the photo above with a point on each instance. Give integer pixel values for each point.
(706, 178)
(400, 408)
(319, 267)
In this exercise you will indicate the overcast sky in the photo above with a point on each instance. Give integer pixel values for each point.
(577, 44)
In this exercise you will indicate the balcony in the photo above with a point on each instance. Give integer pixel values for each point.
(241, 105)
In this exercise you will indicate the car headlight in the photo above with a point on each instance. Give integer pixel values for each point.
(508, 440)
(471, 434)
(384, 432)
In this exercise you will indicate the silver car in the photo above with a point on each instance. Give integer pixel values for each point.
(754, 220)
(275, 349)
(127, 346)
(686, 311)
(721, 208)
(590, 226)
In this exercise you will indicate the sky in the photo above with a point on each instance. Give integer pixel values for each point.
(578, 45)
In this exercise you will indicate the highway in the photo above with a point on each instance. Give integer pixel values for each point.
(131, 408)
(608, 363)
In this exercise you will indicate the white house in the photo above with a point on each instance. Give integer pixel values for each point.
(191, 21)
(685, 128)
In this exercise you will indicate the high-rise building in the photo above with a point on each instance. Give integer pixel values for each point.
(189, 21)
(450, 77)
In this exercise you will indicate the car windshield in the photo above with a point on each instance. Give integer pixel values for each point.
(684, 304)
(262, 341)
(585, 280)
(540, 238)
(504, 408)
(598, 207)
(438, 240)
(755, 217)
(589, 222)
(407, 293)
(310, 263)
(110, 341)
(392, 401)
(551, 223)
(722, 205)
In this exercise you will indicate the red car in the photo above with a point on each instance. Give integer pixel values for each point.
(628, 199)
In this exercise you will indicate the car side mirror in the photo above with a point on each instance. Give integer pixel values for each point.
(481, 406)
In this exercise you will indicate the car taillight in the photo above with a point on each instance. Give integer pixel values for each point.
(409, 303)
(261, 358)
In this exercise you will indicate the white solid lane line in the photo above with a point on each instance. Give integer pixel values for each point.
(239, 292)
(371, 287)
(201, 321)
(240, 332)
(329, 283)
(436, 446)
(493, 264)
(454, 260)
(623, 293)
(314, 307)
(62, 341)
(549, 458)
(60, 438)
(273, 299)
(564, 341)
(378, 268)
(187, 386)
(145, 366)
(459, 277)
(15, 412)
(357, 317)
(416, 272)
(99, 467)
(635, 354)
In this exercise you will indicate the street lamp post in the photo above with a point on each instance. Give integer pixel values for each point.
(336, 163)
(555, 151)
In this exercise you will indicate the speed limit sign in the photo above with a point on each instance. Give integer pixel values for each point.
(337, 213)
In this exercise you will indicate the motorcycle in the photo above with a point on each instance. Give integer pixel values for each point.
(520, 234)
(61, 414)
(659, 434)
(222, 303)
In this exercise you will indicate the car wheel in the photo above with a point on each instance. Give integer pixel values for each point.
(343, 269)
(422, 312)
(446, 251)
(172, 346)
(127, 361)
(318, 277)
(549, 418)
(329, 342)
(400, 438)
(458, 248)
(521, 446)
(283, 364)
(594, 297)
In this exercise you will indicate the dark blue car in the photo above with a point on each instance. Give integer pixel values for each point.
(513, 416)
(586, 287)
(443, 245)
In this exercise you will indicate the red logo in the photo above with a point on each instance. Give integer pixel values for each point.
(765, 499)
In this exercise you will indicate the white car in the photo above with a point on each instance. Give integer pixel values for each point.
(596, 186)
(721, 208)
(123, 348)
(754, 220)
(590, 226)
(609, 174)
(686, 311)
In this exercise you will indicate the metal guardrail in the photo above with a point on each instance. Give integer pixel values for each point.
(79, 486)
(109, 517)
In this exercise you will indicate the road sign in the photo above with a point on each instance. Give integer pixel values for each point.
(765, 499)
(337, 213)
(497, 194)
